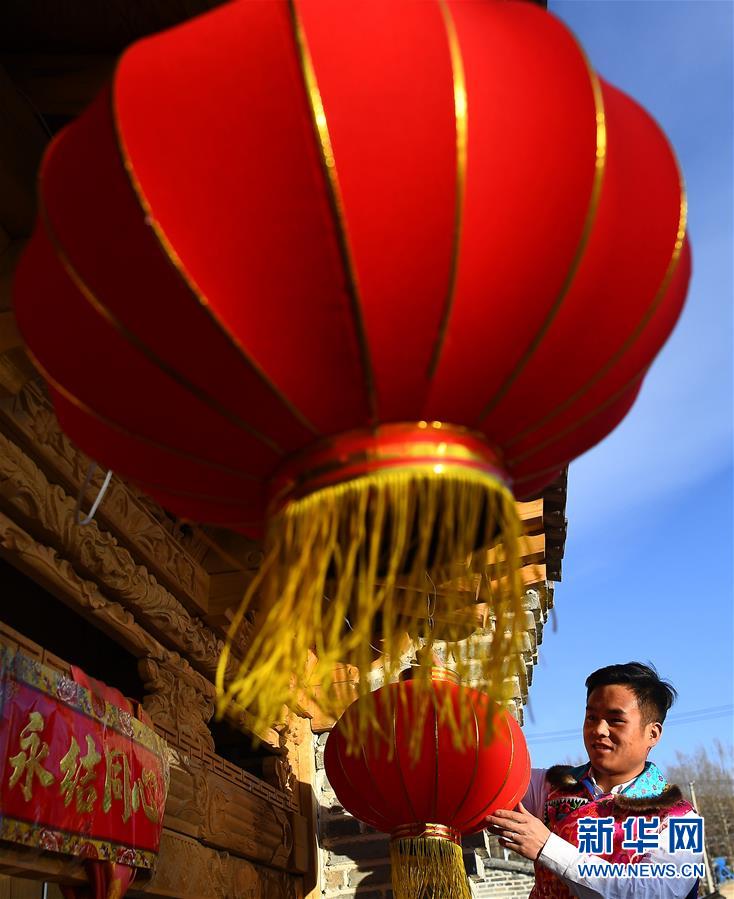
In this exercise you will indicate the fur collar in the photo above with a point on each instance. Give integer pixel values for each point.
(566, 777)
(561, 776)
(647, 805)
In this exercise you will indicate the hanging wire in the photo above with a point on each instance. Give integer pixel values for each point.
(431, 603)
(83, 489)
(349, 625)
(431, 608)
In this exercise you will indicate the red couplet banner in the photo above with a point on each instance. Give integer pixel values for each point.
(79, 774)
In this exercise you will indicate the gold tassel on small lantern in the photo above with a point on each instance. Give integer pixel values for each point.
(427, 863)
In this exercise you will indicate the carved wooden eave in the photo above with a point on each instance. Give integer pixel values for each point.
(124, 559)
(135, 574)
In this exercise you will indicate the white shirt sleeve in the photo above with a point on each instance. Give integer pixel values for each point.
(564, 859)
(537, 793)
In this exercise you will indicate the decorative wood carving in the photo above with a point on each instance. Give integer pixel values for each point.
(175, 700)
(137, 521)
(59, 577)
(206, 805)
(48, 513)
(278, 772)
(188, 870)
(292, 766)
(15, 371)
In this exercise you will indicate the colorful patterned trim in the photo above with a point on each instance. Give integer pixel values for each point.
(649, 783)
(52, 840)
(16, 666)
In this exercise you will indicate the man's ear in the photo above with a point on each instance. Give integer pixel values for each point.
(654, 732)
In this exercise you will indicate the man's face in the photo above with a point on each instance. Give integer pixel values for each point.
(614, 734)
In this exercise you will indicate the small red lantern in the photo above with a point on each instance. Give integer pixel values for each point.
(411, 780)
(350, 305)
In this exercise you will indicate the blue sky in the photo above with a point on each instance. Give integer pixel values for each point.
(649, 558)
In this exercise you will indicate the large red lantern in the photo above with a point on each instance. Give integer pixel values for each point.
(413, 782)
(343, 275)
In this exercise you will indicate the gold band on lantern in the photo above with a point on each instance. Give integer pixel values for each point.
(169, 251)
(427, 831)
(436, 675)
(461, 117)
(433, 447)
(132, 338)
(336, 202)
(639, 329)
(600, 161)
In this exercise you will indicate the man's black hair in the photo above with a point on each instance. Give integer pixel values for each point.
(654, 695)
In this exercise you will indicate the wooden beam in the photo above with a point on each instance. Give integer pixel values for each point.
(226, 590)
(532, 553)
(531, 515)
(532, 549)
(534, 573)
(414, 602)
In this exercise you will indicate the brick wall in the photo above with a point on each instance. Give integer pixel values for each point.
(501, 878)
(355, 859)
(503, 885)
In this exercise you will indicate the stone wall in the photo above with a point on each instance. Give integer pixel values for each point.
(500, 878)
(353, 858)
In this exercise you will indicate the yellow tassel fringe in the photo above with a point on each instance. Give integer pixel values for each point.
(428, 868)
(357, 562)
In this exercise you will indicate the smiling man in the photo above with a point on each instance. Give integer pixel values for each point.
(603, 829)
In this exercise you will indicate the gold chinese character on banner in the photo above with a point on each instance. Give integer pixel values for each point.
(119, 784)
(145, 790)
(116, 787)
(79, 774)
(28, 761)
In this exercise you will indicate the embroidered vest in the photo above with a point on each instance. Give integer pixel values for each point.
(571, 798)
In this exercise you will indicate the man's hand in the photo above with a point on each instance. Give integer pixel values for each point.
(519, 831)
